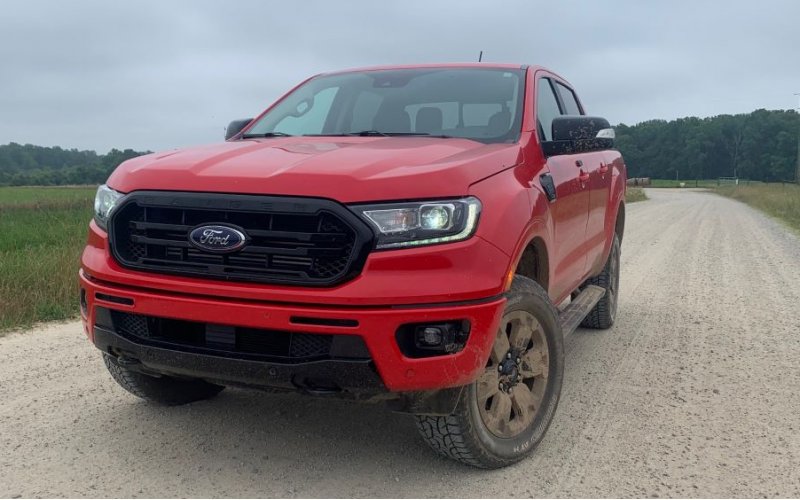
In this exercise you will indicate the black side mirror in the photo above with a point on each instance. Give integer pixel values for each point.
(579, 134)
(235, 127)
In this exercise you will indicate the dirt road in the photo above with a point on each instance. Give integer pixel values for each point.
(694, 392)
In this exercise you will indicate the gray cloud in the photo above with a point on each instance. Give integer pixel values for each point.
(157, 75)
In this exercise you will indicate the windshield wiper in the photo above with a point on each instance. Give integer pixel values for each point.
(265, 135)
(368, 133)
(421, 134)
(377, 133)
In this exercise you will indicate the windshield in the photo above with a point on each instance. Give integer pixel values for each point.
(483, 104)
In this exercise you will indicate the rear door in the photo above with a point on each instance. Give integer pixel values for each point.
(571, 206)
(599, 187)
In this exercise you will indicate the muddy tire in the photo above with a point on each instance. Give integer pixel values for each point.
(604, 312)
(503, 415)
(168, 391)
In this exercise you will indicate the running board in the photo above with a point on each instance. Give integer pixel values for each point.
(572, 315)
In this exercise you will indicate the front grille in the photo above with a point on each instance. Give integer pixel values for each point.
(300, 241)
(233, 341)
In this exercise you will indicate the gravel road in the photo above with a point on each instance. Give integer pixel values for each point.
(694, 392)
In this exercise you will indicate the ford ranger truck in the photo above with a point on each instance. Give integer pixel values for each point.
(422, 236)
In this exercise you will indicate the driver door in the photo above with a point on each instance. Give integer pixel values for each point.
(570, 209)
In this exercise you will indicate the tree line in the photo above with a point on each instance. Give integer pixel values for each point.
(761, 145)
(29, 165)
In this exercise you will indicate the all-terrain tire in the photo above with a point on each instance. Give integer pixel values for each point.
(464, 435)
(605, 311)
(164, 390)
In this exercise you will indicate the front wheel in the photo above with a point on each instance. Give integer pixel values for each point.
(504, 414)
(164, 390)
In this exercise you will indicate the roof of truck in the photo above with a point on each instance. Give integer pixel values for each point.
(436, 65)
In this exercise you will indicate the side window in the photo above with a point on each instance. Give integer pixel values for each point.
(568, 98)
(546, 109)
(309, 120)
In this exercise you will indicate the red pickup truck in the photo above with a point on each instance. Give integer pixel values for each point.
(422, 236)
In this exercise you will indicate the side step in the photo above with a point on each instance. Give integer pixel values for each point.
(572, 315)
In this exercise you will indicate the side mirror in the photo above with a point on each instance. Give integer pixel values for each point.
(235, 127)
(579, 134)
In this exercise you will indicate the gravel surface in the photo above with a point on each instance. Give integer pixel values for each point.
(693, 393)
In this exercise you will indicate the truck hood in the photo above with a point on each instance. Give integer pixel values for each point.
(346, 169)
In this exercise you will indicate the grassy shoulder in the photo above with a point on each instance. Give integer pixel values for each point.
(670, 183)
(778, 200)
(634, 194)
(44, 231)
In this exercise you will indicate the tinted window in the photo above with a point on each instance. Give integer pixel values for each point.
(568, 98)
(546, 108)
(482, 104)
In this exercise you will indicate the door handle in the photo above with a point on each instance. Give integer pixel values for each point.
(603, 168)
(584, 176)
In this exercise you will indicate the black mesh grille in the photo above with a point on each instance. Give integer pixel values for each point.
(231, 341)
(133, 324)
(300, 241)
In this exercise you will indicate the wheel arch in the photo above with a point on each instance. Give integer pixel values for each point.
(619, 225)
(534, 262)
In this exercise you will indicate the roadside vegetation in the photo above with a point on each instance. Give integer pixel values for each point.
(670, 183)
(778, 200)
(634, 194)
(44, 230)
(761, 146)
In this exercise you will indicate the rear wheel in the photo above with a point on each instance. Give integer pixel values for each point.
(164, 390)
(604, 313)
(503, 415)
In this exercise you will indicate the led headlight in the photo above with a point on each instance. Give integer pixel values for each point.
(414, 224)
(104, 202)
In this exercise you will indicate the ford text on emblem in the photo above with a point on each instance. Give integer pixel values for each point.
(217, 238)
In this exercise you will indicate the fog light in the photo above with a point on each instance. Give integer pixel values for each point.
(423, 340)
(429, 336)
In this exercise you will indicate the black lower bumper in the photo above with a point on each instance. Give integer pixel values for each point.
(349, 378)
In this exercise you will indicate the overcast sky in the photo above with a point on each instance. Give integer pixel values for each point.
(164, 74)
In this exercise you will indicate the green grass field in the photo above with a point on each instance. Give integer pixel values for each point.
(668, 183)
(43, 230)
(778, 200)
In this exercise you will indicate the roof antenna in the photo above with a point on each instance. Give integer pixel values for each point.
(480, 56)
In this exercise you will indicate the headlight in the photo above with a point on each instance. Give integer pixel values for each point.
(421, 223)
(104, 202)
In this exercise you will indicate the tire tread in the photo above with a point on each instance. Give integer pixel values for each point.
(454, 436)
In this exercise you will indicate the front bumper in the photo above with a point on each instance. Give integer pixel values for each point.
(376, 325)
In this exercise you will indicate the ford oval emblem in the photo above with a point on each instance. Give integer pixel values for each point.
(217, 238)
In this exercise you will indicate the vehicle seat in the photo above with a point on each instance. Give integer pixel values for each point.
(499, 123)
(429, 120)
(391, 118)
